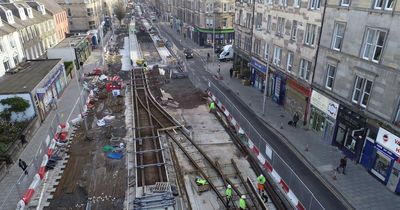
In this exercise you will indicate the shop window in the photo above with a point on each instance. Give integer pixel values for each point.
(381, 165)
(351, 140)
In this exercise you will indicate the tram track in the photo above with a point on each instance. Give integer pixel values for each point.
(153, 120)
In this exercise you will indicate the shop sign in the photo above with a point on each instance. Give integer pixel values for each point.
(324, 104)
(258, 65)
(298, 87)
(389, 141)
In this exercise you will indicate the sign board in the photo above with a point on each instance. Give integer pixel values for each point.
(324, 104)
(389, 141)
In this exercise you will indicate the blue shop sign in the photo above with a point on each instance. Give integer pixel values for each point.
(259, 66)
(386, 151)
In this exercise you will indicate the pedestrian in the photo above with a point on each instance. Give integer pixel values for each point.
(23, 138)
(261, 183)
(296, 118)
(228, 193)
(343, 164)
(219, 68)
(264, 197)
(231, 72)
(23, 166)
(212, 107)
(208, 56)
(184, 35)
(242, 202)
(54, 102)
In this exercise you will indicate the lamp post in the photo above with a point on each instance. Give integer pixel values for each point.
(265, 87)
(213, 9)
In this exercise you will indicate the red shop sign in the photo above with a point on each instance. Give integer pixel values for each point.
(300, 88)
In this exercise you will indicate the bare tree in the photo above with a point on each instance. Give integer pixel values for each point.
(119, 10)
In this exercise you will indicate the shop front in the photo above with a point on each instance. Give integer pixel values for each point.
(350, 132)
(384, 159)
(222, 36)
(53, 87)
(276, 87)
(323, 115)
(296, 99)
(258, 72)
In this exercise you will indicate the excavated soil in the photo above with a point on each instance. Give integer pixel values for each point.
(89, 175)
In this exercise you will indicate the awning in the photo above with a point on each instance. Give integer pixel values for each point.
(218, 31)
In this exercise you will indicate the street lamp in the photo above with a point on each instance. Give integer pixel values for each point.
(265, 86)
(213, 9)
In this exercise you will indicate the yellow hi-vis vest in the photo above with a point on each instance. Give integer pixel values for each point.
(242, 203)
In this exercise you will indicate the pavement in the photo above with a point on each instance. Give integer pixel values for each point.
(67, 108)
(358, 187)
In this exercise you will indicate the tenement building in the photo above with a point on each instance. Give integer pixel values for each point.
(358, 69)
(83, 15)
(204, 21)
(285, 41)
(243, 26)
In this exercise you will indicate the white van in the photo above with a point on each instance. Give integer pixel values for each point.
(227, 53)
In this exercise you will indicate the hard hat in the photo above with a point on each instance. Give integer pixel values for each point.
(229, 186)
(261, 175)
(243, 196)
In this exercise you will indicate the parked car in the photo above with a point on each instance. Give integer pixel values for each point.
(218, 49)
(188, 53)
(227, 53)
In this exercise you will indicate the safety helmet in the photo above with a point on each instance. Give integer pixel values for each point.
(229, 186)
(243, 196)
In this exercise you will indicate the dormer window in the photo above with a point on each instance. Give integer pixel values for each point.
(42, 9)
(10, 17)
(22, 13)
(30, 14)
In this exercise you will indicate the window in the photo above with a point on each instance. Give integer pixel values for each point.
(280, 26)
(12, 42)
(269, 1)
(209, 22)
(225, 7)
(314, 4)
(209, 7)
(257, 46)
(338, 34)
(258, 20)
(1, 47)
(293, 33)
(225, 22)
(373, 44)
(397, 118)
(16, 61)
(284, 2)
(6, 65)
(277, 56)
(247, 44)
(69, 12)
(240, 16)
(248, 20)
(269, 24)
(89, 11)
(345, 3)
(330, 76)
(305, 68)
(239, 41)
(384, 4)
(289, 63)
(362, 91)
(296, 3)
(92, 25)
(266, 51)
(310, 34)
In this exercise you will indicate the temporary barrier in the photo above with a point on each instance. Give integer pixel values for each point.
(271, 162)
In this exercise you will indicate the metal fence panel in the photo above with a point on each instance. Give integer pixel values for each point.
(304, 195)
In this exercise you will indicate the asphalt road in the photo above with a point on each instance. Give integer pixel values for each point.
(325, 196)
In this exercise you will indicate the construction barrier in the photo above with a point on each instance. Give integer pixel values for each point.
(235, 117)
